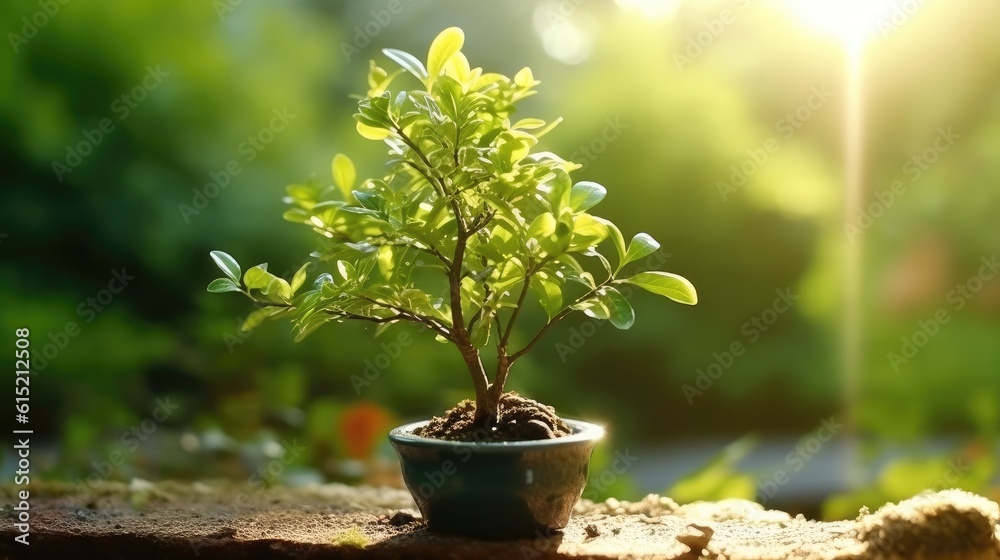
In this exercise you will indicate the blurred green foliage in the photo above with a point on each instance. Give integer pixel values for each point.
(649, 130)
(719, 478)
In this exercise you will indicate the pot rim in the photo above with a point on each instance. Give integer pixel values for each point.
(583, 432)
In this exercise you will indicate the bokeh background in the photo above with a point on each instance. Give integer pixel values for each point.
(121, 123)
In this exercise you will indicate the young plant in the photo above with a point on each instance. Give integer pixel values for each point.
(467, 225)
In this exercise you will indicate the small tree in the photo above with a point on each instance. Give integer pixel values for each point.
(468, 222)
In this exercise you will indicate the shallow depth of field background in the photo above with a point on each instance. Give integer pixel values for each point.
(661, 101)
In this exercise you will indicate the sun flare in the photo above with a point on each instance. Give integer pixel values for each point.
(853, 21)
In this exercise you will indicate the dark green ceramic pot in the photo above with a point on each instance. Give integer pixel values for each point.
(496, 490)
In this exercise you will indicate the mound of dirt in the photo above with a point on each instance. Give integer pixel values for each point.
(519, 419)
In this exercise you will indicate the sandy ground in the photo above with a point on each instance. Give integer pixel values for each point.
(222, 520)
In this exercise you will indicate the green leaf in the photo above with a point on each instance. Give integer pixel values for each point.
(258, 278)
(379, 79)
(585, 195)
(665, 284)
(507, 275)
(228, 264)
(408, 62)
(542, 226)
(524, 78)
(382, 327)
(297, 215)
(621, 314)
(307, 327)
(642, 245)
(548, 128)
(559, 188)
(444, 46)
(617, 238)
(344, 175)
(472, 296)
(347, 270)
(450, 92)
(369, 200)
(371, 132)
(592, 252)
(587, 232)
(322, 280)
(572, 271)
(528, 124)
(222, 285)
(385, 262)
(481, 332)
(300, 278)
(257, 317)
(549, 293)
(594, 307)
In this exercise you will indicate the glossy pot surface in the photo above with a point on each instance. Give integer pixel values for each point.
(496, 490)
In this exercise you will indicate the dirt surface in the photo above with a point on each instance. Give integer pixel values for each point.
(519, 419)
(223, 520)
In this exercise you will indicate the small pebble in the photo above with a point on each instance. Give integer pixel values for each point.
(697, 539)
(401, 518)
(592, 531)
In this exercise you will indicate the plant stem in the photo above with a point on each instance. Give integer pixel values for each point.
(486, 406)
(558, 317)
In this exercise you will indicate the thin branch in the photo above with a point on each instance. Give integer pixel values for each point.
(411, 315)
(439, 189)
(425, 247)
(481, 221)
(462, 228)
(459, 334)
(416, 149)
(502, 342)
(371, 319)
(558, 317)
(401, 314)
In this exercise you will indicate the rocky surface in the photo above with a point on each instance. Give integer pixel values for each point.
(219, 520)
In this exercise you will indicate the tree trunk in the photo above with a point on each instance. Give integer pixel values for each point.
(487, 410)
(486, 405)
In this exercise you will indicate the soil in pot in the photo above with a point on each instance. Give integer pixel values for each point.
(518, 419)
